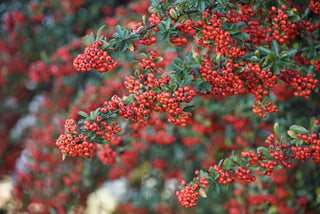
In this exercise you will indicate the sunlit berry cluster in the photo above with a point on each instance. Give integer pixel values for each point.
(95, 58)
(73, 144)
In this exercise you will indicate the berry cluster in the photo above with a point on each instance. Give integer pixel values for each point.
(188, 197)
(223, 42)
(134, 111)
(281, 30)
(243, 14)
(252, 79)
(179, 41)
(244, 174)
(265, 160)
(94, 58)
(315, 6)
(257, 32)
(101, 127)
(302, 84)
(154, 19)
(187, 26)
(311, 150)
(224, 176)
(107, 155)
(317, 65)
(171, 104)
(144, 40)
(72, 144)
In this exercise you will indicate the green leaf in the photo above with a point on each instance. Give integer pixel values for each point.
(294, 18)
(64, 156)
(263, 170)
(175, 79)
(240, 24)
(296, 45)
(174, 87)
(275, 46)
(202, 6)
(264, 50)
(211, 171)
(217, 187)
(232, 30)
(299, 129)
(99, 32)
(227, 164)
(292, 134)
(83, 114)
(195, 66)
(119, 31)
(254, 168)
(276, 69)
(178, 60)
(237, 159)
(291, 52)
(206, 87)
(187, 80)
(203, 173)
(88, 40)
(105, 44)
(189, 108)
(188, 57)
(244, 36)
(276, 129)
(144, 19)
(165, 88)
(264, 151)
(196, 82)
(158, 59)
(134, 37)
(199, 35)
(312, 123)
(143, 55)
(253, 59)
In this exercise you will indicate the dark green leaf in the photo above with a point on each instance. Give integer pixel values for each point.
(187, 80)
(294, 18)
(195, 66)
(189, 108)
(264, 50)
(175, 79)
(206, 86)
(119, 30)
(275, 46)
(232, 31)
(276, 69)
